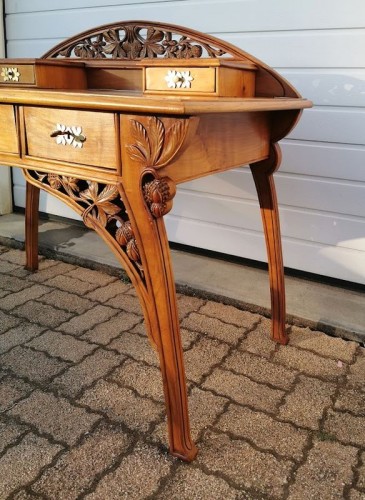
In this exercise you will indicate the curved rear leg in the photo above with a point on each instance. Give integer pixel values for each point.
(263, 176)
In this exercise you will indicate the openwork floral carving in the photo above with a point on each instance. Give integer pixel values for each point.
(130, 41)
(99, 203)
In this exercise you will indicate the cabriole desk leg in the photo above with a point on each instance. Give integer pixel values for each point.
(263, 176)
(31, 227)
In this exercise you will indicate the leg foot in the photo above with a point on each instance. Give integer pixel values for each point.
(31, 227)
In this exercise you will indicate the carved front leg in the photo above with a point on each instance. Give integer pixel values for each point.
(263, 176)
(31, 226)
(148, 144)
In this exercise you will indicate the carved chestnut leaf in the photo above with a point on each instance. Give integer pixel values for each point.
(99, 204)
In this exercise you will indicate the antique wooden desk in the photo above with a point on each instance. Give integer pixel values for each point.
(110, 121)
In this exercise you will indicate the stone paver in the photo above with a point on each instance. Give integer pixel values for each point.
(305, 406)
(82, 411)
(138, 476)
(96, 453)
(54, 416)
(22, 463)
(325, 473)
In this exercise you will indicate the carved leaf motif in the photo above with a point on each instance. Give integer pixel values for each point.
(173, 138)
(156, 138)
(140, 150)
(100, 205)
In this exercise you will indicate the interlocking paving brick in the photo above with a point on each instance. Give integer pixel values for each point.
(11, 390)
(135, 346)
(18, 298)
(76, 469)
(188, 338)
(187, 304)
(19, 335)
(22, 463)
(68, 301)
(33, 365)
(346, 427)
(325, 473)
(69, 284)
(111, 329)
(260, 369)
(55, 416)
(245, 466)
(13, 283)
(322, 344)
(202, 357)
(146, 380)
(84, 322)
(188, 484)
(213, 327)
(24, 495)
(104, 293)
(122, 405)
(310, 363)
(62, 346)
(243, 390)
(3, 293)
(356, 376)
(356, 495)
(91, 276)
(7, 267)
(44, 314)
(264, 431)
(351, 400)
(14, 255)
(92, 368)
(137, 477)
(258, 341)
(7, 321)
(126, 302)
(230, 314)
(49, 269)
(361, 473)
(9, 433)
(306, 404)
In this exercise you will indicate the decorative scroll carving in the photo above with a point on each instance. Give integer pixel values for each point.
(100, 203)
(156, 144)
(130, 41)
(158, 195)
(68, 135)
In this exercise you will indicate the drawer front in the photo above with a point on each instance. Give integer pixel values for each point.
(183, 79)
(21, 74)
(8, 130)
(82, 137)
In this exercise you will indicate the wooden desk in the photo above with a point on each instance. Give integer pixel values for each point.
(112, 120)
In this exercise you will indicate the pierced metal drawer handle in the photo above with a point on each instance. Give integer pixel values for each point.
(10, 74)
(178, 79)
(69, 135)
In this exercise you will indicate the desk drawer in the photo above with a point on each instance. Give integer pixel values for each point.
(181, 79)
(8, 130)
(17, 74)
(82, 137)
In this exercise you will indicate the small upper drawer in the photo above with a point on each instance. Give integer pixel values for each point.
(15, 74)
(181, 79)
(8, 130)
(82, 137)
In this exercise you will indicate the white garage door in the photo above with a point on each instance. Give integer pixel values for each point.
(319, 47)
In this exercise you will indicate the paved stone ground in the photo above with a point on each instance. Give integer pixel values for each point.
(81, 405)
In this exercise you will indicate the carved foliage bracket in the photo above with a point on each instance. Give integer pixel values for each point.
(99, 204)
(131, 41)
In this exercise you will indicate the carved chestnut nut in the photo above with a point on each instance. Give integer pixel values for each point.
(132, 250)
(124, 233)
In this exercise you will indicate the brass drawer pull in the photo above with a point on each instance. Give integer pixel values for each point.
(69, 135)
(178, 79)
(10, 74)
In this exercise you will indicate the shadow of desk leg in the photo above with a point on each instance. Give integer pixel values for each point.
(31, 227)
(263, 176)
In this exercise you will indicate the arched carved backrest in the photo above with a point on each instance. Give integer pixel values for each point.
(133, 40)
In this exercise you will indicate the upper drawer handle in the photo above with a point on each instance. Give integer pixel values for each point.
(68, 135)
(178, 79)
(10, 74)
